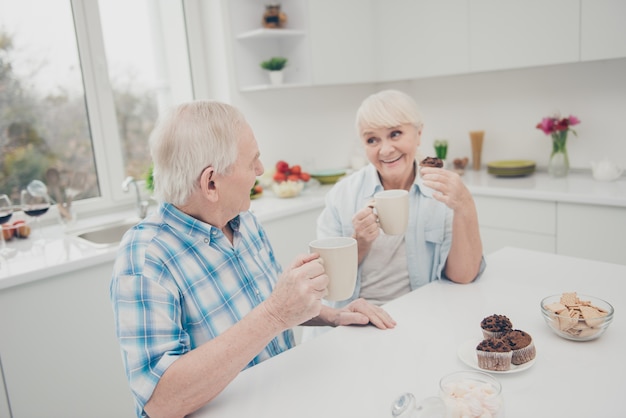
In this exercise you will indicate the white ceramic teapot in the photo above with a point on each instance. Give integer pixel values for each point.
(605, 170)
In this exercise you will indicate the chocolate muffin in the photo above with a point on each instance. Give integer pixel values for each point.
(494, 354)
(522, 346)
(431, 162)
(495, 326)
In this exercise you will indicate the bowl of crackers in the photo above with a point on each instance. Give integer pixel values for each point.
(577, 317)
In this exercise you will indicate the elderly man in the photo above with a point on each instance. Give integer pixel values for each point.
(197, 292)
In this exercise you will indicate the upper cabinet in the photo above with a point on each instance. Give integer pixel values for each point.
(342, 37)
(603, 30)
(369, 41)
(517, 34)
(420, 38)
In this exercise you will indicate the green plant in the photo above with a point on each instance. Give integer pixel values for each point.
(150, 178)
(274, 64)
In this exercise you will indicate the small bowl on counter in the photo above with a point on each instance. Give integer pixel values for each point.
(328, 176)
(577, 317)
(288, 188)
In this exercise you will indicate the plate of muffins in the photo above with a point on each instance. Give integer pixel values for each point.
(503, 348)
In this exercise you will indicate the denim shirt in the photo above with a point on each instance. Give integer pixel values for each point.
(429, 232)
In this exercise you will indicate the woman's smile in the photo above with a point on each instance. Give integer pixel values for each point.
(391, 160)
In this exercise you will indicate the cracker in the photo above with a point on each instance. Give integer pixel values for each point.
(556, 307)
(569, 299)
(568, 321)
(592, 316)
(579, 318)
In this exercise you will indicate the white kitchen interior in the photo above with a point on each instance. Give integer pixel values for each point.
(470, 64)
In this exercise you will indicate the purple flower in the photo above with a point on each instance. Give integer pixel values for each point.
(556, 124)
(573, 120)
(546, 125)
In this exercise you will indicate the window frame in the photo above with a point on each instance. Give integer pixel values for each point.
(106, 142)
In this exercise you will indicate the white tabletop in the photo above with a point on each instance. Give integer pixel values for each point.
(359, 371)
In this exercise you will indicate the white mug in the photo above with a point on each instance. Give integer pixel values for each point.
(340, 258)
(392, 208)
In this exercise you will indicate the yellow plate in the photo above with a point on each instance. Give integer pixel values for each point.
(511, 164)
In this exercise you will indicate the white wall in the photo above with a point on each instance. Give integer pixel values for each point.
(509, 104)
(313, 126)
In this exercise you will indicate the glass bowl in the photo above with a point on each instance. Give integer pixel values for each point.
(472, 394)
(288, 188)
(585, 319)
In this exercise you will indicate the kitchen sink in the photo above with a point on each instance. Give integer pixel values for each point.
(108, 234)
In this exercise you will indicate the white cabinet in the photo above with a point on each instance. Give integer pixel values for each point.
(517, 34)
(420, 38)
(590, 231)
(253, 44)
(518, 223)
(343, 48)
(290, 235)
(5, 410)
(367, 41)
(603, 31)
(59, 352)
(595, 232)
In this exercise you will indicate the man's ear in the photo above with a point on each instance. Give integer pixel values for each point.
(208, 185)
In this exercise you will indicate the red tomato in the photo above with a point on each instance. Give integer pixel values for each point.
(293, 177)
(278, 177)
(304, 176)
(258, 189)
(282, 166)
(296, 169)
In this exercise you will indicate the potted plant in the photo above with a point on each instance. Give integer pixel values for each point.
(275, 66)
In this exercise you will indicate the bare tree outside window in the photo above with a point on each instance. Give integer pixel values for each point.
(45, 132)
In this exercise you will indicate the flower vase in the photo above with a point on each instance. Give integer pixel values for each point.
(559, 161)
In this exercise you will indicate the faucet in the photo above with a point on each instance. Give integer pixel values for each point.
(142, 205)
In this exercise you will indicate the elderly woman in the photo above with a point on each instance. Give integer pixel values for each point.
(442, 239)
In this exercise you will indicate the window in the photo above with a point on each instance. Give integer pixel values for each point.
(142, 55)
(43, 117)
(81, 85)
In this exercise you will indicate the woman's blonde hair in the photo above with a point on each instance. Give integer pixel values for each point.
(386, 109)
(188, 139)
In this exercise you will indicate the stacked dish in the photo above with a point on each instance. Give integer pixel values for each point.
(511, 168)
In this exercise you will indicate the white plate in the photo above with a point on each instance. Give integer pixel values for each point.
(467, 354)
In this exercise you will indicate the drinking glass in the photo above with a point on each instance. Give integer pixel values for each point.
(35, 203)
(6, 211)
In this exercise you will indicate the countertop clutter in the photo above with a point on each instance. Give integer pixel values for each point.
(64, 253)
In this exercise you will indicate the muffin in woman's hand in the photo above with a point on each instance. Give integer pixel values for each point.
(494, 354)
(495, 326)
(431, 162)
(522, 346)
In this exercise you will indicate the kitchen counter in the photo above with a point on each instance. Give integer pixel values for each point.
(577, 187)
(63, 253)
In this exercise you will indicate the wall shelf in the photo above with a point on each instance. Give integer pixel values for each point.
(263, 33)
(262, 87)
(253, 44)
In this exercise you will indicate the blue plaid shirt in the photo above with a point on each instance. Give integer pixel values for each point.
(178, 283)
